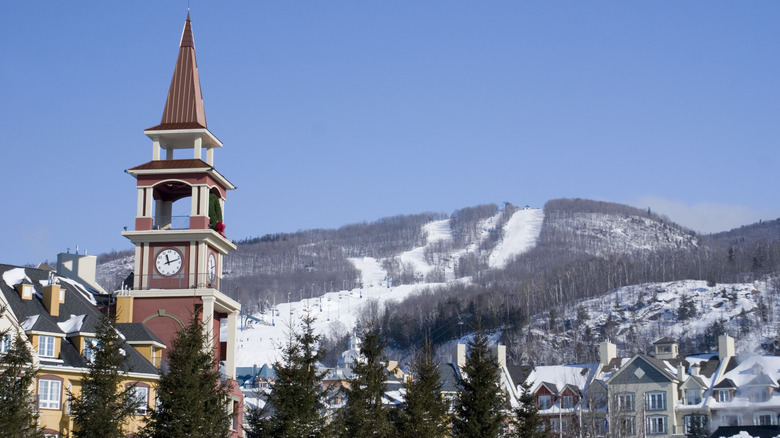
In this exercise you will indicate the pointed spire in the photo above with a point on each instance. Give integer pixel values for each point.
(184, 105)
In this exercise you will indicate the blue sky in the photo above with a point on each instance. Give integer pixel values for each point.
(347, 111)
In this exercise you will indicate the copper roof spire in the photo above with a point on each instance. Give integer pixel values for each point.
(184, 105)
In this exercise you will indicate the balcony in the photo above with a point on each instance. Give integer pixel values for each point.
(171, 223)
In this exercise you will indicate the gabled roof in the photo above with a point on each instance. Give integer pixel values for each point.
(266, 372)
(693, 382)
(761, 380)
(726, 384)
(518, 373)
(550, 387)
(657, 364)
(184, 105)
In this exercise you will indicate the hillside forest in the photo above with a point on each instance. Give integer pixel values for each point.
(584, 250)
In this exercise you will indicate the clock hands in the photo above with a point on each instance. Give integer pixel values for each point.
(169, 261)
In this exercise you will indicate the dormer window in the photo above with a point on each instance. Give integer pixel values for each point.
(568, 402)
(46, 346)
(758, 395)
(692, 396)
(544, 401)
(724, 395)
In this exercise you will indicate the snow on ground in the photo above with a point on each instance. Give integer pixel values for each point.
(657, 316)
(260, 337)
(438, 230)
(520, 235)
(435, 231)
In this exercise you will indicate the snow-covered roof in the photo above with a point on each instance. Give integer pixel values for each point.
(561, 375)
(72, 324)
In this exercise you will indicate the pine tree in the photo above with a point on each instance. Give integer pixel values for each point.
(297, 400)
(424, 413)
(18, 417)
(480, 405)
(191, 399)
(528, 423)
(697, 427)
(103, 405)
(364, 414)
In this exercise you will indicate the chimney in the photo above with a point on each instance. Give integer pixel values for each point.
(680, 372)
(82, 268)
(607, 352)
(500, 352)
(726, 347)
(124, 307)
(695, 369)
(459, 355)
(53, 296)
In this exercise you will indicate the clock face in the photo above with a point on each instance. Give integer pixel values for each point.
(168, 262)
(212, 267)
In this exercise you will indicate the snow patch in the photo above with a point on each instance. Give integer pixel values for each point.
(29, 322)
(14, 276)
(80, 289)
(262, 336)
(72, 324)
(520, 235)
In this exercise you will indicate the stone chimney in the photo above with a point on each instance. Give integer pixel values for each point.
(726, 348)
(607, 352)
(459, 355)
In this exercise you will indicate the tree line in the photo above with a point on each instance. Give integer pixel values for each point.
(298, 404)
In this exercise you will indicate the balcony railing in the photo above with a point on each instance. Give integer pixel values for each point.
(172, 222)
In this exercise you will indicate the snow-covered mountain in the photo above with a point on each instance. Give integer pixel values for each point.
(509, 259)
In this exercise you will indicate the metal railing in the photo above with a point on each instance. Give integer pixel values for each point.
(171, 222)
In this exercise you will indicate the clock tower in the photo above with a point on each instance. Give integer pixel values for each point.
(179, 233)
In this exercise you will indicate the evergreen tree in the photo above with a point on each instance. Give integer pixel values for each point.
(364, 414)
(480, 405)
(103, 405)
(18, 416)
(297, 400)
(697, 427)
(687, 309)
(424, 413)
(528, 422)
(191, 399)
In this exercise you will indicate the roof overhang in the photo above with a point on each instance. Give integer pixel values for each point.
(183, 138)
(211, 171)
(211, 237)
(149, 342)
